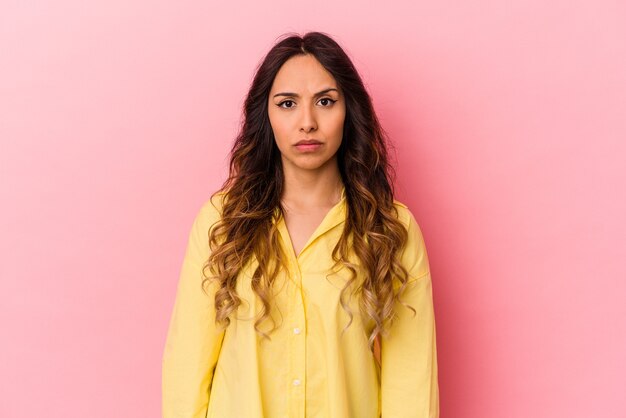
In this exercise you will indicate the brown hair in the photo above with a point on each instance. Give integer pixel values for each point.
(253, 190)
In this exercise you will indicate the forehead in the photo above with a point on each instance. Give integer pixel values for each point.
(302, 73)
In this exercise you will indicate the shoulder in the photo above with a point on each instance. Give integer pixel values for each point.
(210, 210)
(404, 214)
(414, 255)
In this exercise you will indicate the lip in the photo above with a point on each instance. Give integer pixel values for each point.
(308, 146)
(308, 142)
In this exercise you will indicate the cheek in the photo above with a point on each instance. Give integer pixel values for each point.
(337, 125)
(279, 127)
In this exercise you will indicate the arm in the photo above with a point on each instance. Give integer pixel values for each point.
(193, 341)
(409, 382)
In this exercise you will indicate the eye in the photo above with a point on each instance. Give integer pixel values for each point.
(328, 100)
(283, 102)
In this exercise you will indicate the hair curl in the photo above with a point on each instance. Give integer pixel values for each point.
(254, 186)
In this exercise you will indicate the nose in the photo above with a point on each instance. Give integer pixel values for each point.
(308, 122)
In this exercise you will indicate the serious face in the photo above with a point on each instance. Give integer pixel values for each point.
(305, 103)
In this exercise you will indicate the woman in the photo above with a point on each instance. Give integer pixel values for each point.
(305, 290)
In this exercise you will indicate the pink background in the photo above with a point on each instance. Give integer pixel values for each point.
(509, 122)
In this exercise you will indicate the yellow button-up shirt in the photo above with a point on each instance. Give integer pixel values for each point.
(307, 370)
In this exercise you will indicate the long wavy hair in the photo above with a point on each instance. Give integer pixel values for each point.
(253, 189)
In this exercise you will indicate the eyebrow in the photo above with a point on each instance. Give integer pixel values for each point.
(319, 93)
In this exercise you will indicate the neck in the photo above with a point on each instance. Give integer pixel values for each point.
(312, 188)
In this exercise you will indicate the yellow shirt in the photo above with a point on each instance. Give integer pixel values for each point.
(307, 370)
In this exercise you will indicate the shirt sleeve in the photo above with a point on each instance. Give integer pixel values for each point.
(193, 340)
(409, 382)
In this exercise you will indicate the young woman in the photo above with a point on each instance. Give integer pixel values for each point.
(305, 290)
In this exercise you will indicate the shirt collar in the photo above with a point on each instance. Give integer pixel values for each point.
(335, 216)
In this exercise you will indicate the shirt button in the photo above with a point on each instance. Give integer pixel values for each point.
(296, 382)
(296, 330)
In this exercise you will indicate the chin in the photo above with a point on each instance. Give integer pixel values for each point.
(310, 166)
(308, 163)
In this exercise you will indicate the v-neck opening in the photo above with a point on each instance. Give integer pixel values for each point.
(316, 232)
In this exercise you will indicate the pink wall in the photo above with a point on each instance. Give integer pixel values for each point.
(509, 125)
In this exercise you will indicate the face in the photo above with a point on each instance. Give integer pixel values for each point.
(306, 103)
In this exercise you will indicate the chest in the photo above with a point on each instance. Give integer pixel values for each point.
(301, 226)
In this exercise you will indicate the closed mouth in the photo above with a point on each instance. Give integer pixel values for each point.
(308, 142)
